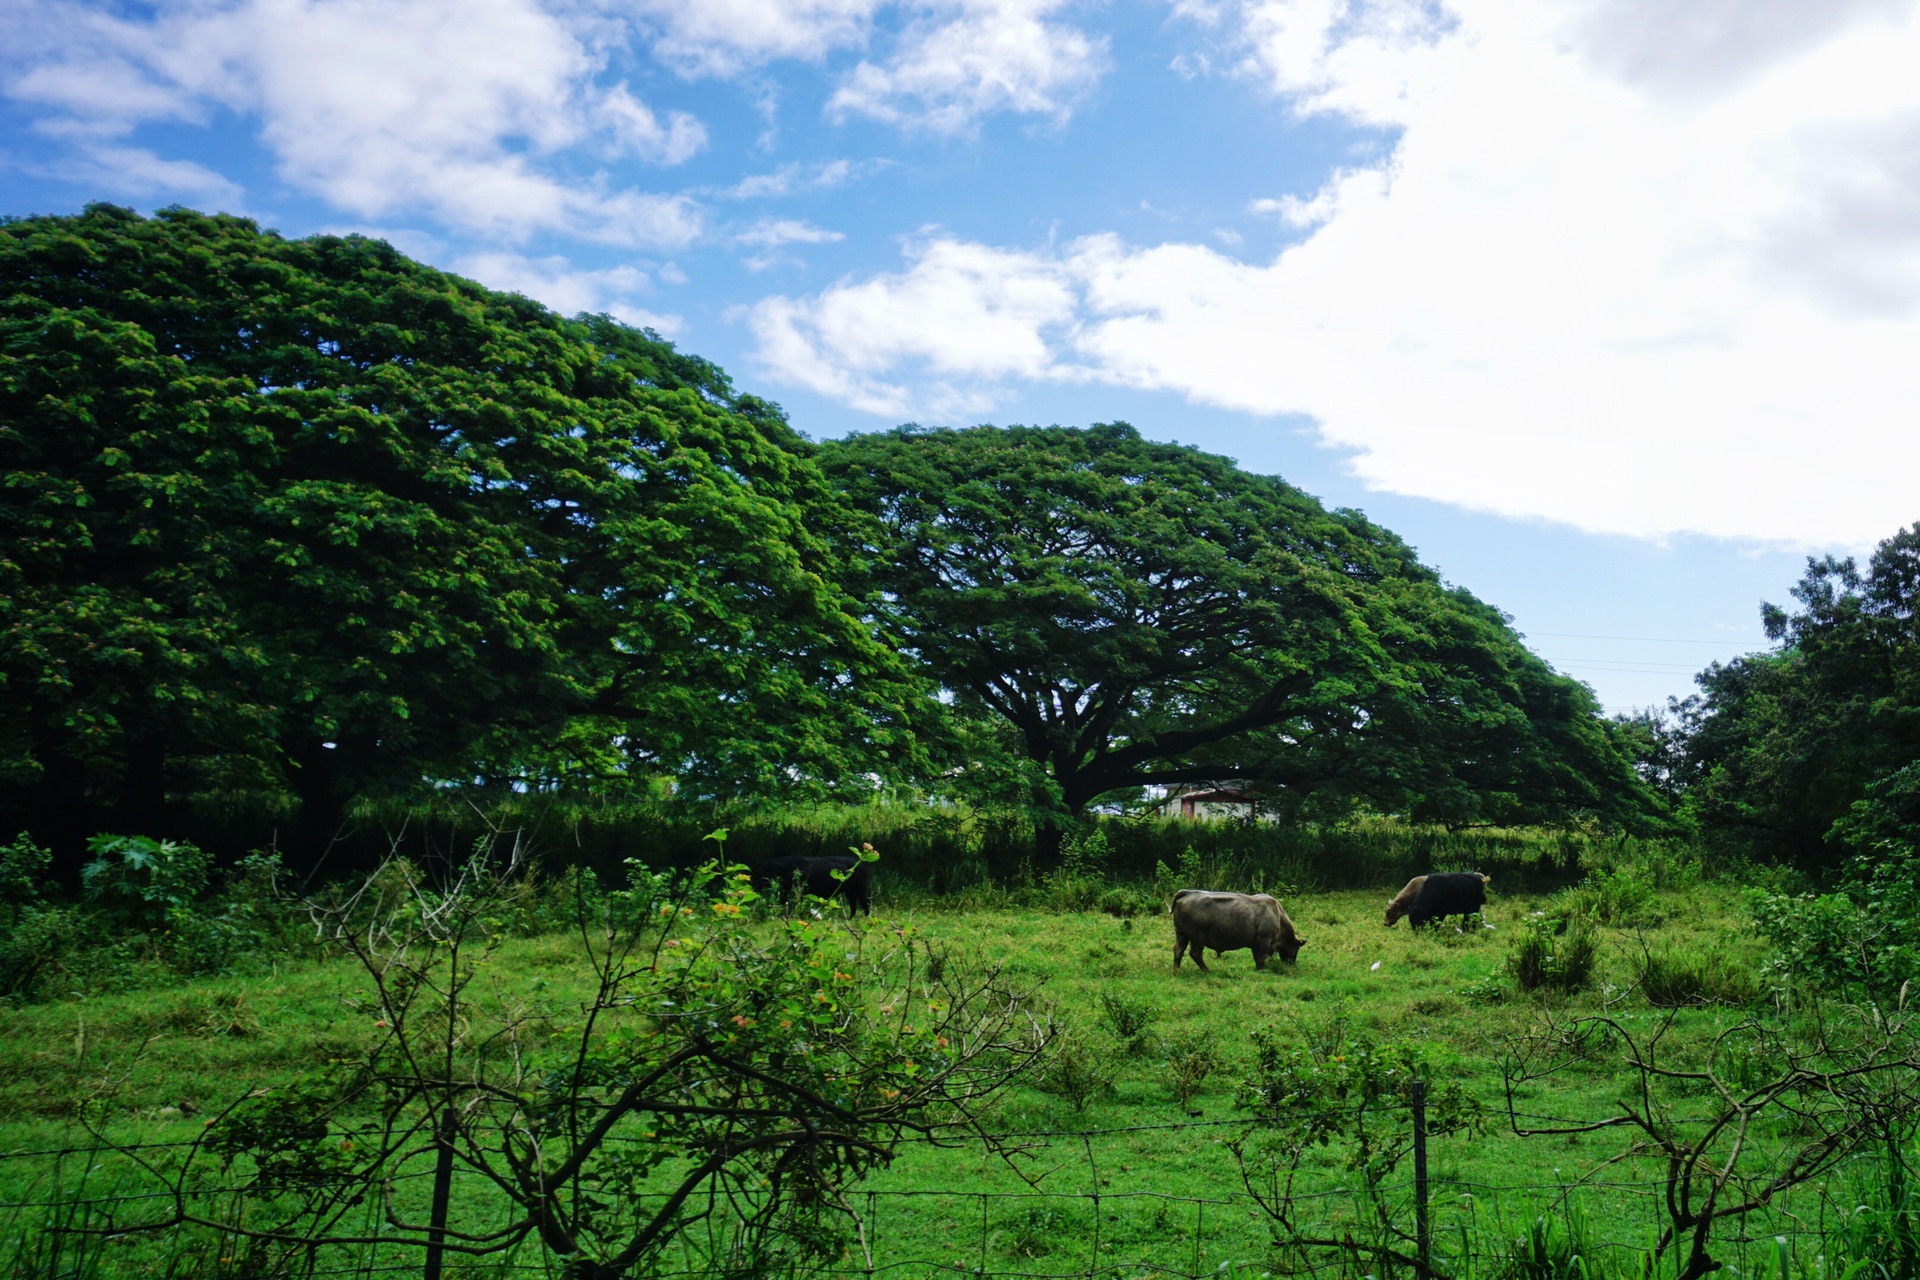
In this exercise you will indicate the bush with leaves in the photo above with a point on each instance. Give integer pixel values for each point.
(34, 933)
(726, 1083)
(1191, 1058)
(1553, 954)
(1619, 895)
(1078, 1070)
(1864, 939)
(1331, 1087)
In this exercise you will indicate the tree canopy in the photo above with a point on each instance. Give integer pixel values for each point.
(1812, 750)
(1113, 612)
(308, 517)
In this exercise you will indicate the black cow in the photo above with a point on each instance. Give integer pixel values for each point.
(778, 878)
(1449, 893)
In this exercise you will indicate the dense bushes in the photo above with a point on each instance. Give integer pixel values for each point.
(1864, 939)
(149, 910)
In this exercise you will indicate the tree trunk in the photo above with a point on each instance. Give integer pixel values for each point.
(141, 809)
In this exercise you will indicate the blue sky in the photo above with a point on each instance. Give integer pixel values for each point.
(1608, 306)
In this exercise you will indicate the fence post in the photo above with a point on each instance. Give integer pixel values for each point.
(442, 1192)
(1422, 1237)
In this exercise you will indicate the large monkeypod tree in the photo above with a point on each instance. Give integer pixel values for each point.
(1112, 612)
(307, 518)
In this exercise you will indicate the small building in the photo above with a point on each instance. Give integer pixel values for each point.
(1214, 805)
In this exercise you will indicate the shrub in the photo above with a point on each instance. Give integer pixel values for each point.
(1864, 939)
(144, 879)
(1076, 1071)
(1621, 895)
(1556, 954)
(1128, 1020)
(1191, 1058)
(1676, 977)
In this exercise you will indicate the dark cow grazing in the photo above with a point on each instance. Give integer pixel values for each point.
(1230, 921)
(778, 878)
(1452, 893)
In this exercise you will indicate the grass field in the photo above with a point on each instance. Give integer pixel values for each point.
(150, 1066)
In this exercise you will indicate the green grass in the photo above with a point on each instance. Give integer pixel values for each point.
(151, 1066)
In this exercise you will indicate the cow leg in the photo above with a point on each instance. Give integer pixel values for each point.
(1259, 958)
(1180, 948)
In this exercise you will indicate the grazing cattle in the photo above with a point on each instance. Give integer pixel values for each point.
(778, 878)
(1402, 902)
(1230, 921)
(1453, 893)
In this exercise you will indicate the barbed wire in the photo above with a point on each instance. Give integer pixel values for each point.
(1120, 1259)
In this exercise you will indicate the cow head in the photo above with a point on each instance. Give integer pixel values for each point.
(1395, 909)
(1290, 944)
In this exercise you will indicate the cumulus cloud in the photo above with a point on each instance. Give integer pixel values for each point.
(726, 37)
(989, 56)
(948, 63)
(455, 106)
(962, 316)
(1642, 268)
(554, 281)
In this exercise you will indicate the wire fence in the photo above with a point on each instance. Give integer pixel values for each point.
(1077, 1204)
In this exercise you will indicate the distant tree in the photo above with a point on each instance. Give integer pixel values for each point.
(1105, 612)
(310, 518)
(1785, 744)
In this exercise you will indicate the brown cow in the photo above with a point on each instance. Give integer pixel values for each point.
(1230, 921)
(1402, 902)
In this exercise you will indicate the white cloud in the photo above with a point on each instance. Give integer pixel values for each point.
(789, 178)
(991, 55)
(458, 107)
(137, 171)
(949, 62)
(1641, 268)
(770, 233)
(726, 37)
(554, 282)
(637, 130)
(963, 314)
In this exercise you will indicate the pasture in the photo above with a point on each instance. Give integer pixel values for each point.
(151, 1066)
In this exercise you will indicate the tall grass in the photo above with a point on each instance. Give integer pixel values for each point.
(947, 849)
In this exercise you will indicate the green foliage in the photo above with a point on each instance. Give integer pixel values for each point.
(1552, 953)
(1192, 1058)
(33, 933)
(1077, 1070)
(1807, 753)
(1876, 1226)
(765, 1064)
(1128, 1020)
(309, 521)
(147, 915)
(149, 880)
(1555, 1247)
(1109, 612)
(1677, 976)
(1620, 895)
(1862, 940)
(1325, 1083)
